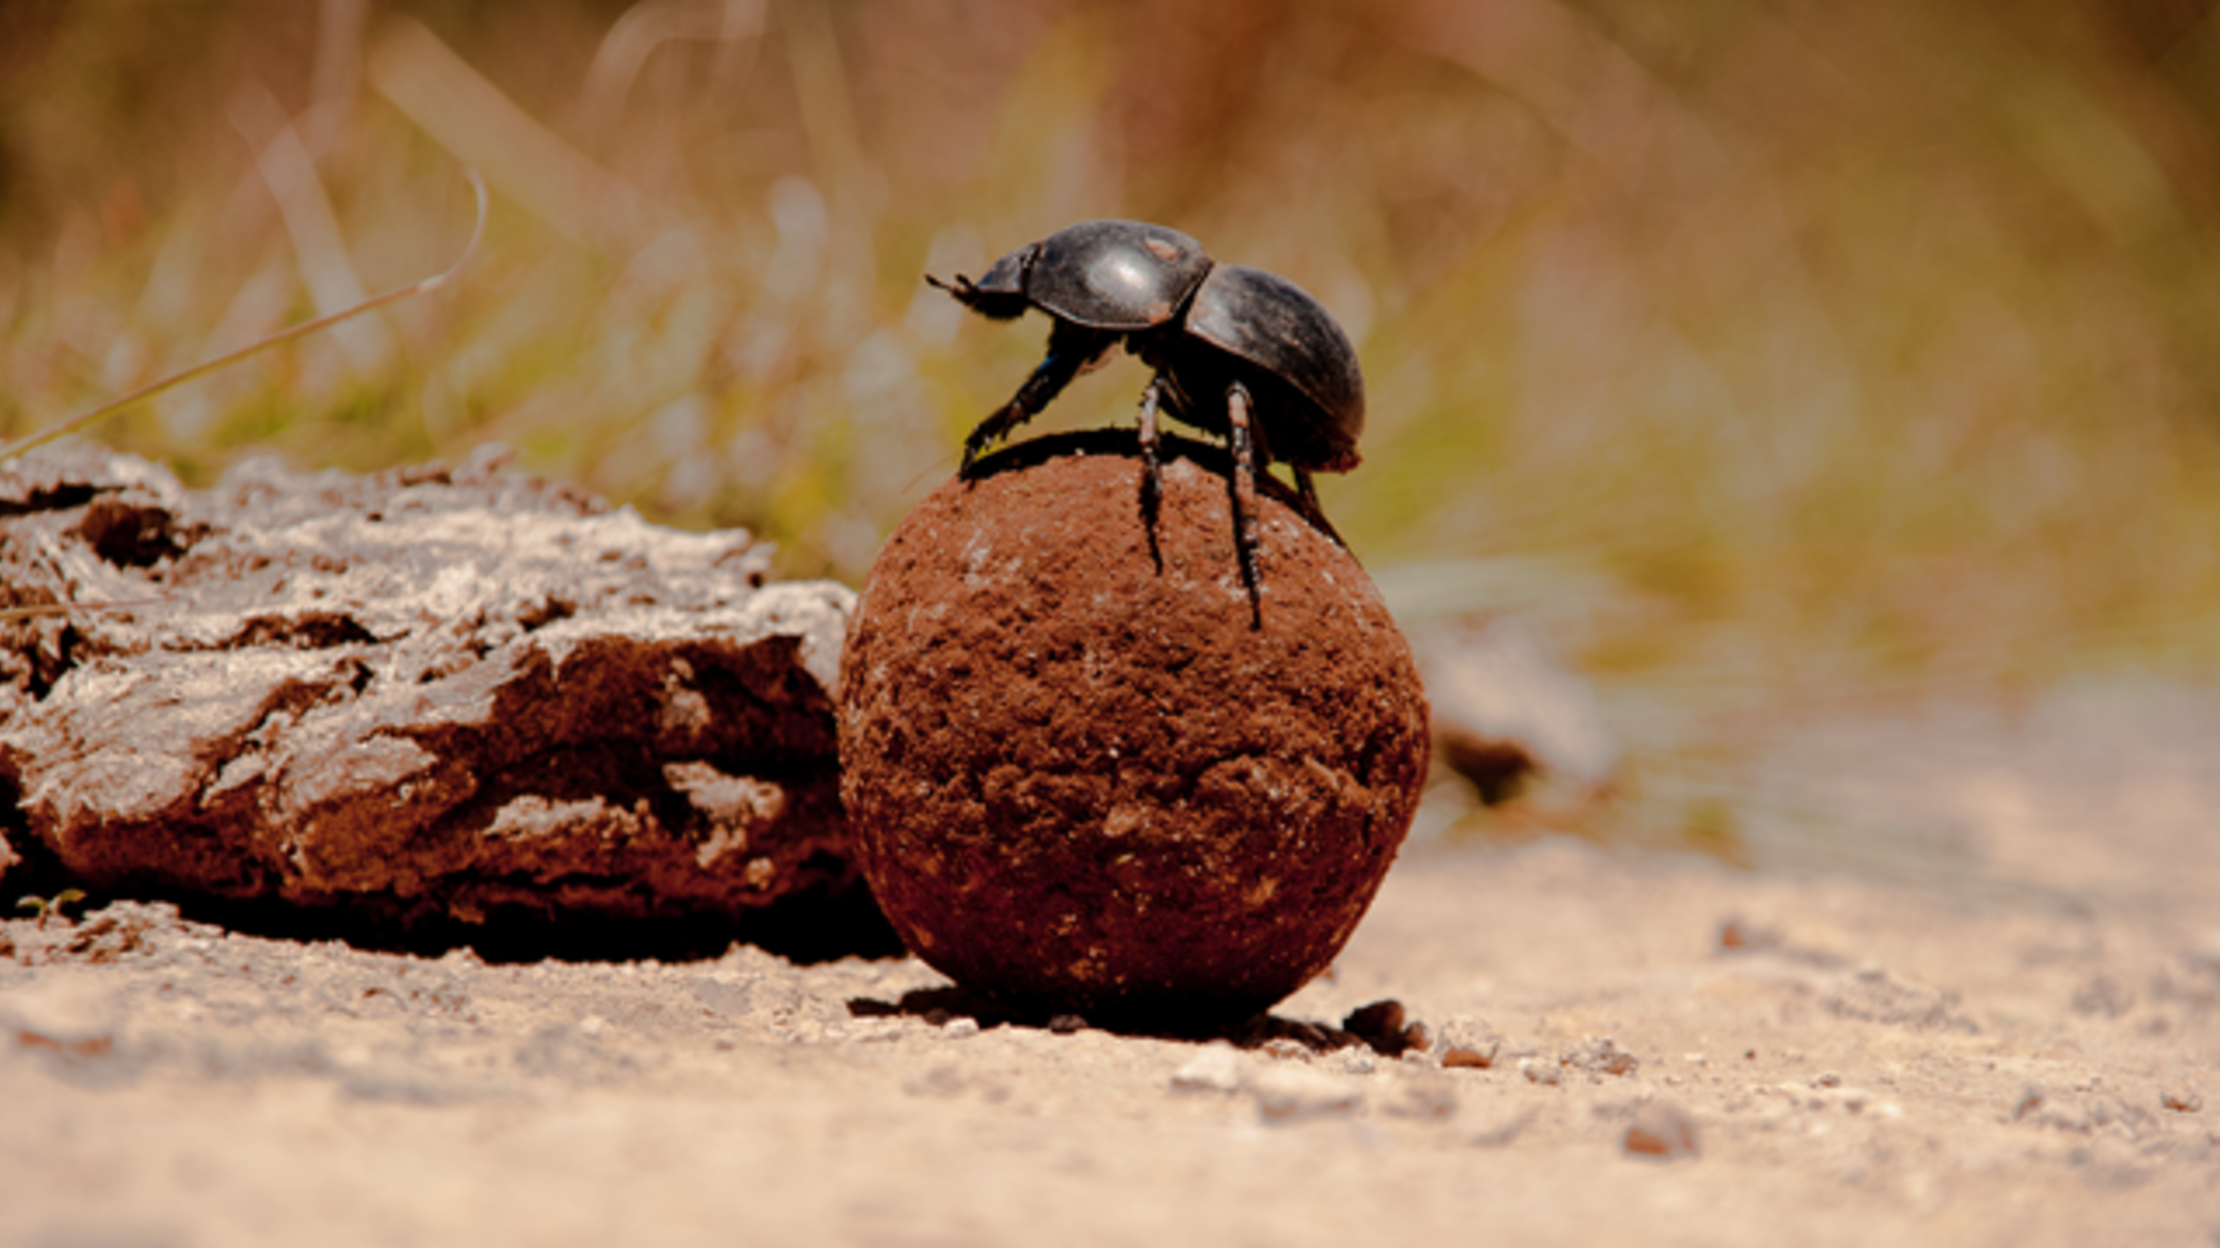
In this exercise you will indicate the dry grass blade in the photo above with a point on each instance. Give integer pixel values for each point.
(422, 287)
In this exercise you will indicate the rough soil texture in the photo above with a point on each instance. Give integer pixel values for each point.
(1082, 782)
(436, 692)
(2009, 1039)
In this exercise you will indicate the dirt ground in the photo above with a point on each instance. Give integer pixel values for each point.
(1980, 1005)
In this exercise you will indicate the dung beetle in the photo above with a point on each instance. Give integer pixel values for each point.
(1236, 351)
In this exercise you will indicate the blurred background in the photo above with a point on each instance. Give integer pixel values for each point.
(1766, 357)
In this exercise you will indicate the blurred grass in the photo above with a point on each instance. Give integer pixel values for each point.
(1787, 348)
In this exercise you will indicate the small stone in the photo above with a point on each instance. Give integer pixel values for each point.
(1548, 1074)
(1601, 1055)
(1661, 1130)
(1467, 1042)
(959, 1028)
(1386, 1027)
(1216, 1069)
(1379, 1019)
(2182, 1100)
(1739, 935)
(1511, 718)
(1066, 1024)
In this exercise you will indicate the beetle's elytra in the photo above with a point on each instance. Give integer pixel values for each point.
(1236, 351)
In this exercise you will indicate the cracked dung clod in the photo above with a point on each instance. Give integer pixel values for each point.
(429, 692)
(1083, 784)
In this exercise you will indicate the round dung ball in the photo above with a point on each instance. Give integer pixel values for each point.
(1082, 780)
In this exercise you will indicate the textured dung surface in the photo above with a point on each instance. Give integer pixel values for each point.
(1083, 784)
(432, 692)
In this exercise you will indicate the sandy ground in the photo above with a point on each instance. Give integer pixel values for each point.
(1982, 1007)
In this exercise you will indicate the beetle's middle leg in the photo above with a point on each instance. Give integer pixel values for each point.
(1072, 349)
(1152, 472)
(1244, 489)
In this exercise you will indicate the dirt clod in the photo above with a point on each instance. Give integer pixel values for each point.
(438, 692)
(1384, 1026)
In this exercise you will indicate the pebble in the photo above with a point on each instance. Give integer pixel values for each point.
(1601, 1055)
(1737, 933)
(1467, 1042)
(1661, 1130)
(1537, 1070)
(1387, 1027)
(959, 1028)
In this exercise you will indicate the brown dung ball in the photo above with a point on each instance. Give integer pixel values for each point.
(1081, 782)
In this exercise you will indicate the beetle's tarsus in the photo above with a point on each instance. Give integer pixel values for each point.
(1005, 418)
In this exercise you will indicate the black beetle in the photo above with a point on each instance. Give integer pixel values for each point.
(1237, 351)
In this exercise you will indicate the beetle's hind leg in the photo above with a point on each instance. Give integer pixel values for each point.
(1311, 509)
(1244, 489)
(1071, 349)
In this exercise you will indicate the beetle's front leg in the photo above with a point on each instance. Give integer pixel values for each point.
(1243, 486)
(1071, 349)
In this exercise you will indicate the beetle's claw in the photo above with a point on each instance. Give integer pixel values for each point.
(987, 432)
